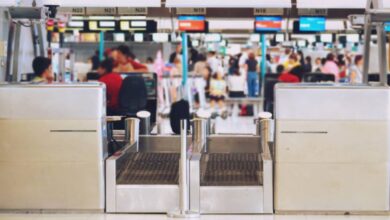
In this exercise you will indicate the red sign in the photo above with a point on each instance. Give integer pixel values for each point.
(192, 25)
(268, 25)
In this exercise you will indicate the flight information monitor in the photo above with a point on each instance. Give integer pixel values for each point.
(192, 23)
(353, 38)
(264, 24)
(160, 37)
(279, 38)
(312, 24)
(387, 26)
(326, 38)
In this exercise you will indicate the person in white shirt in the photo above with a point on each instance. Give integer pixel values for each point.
(236, 85)
(285, 57)
(213, 61)
(242, 61)
(356, 70)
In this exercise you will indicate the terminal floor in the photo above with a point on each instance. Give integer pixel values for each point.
(164, 217)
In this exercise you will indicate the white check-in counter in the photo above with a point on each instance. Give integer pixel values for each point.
(52, 147)
(332, 148)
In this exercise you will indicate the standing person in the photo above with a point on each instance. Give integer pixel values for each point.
(233, 65)
(113, 82)
(252, 68)
(213, 61)
(331, 67)
(236, 85)
(125, 62)
(307, 67)
(207, 78)
(177, 54)
(43, 71)
(217, 90)
(176, 78)
(301, 57)
(94, 60)
(284, 58)
(292, 62)
(356, 70)
(194, 54)
(242, 61)
(150, 64)
(200, 67)
(317, 65)
(269, 64)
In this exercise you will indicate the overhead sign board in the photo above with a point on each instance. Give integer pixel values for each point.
(133, 11)
(191, 11)
(73, 11)
(342, 4)
(313, 12)
(228, 3)
(107, 3)
(268, 11)
(101, 11)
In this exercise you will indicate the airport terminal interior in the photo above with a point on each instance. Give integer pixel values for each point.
(194, 109)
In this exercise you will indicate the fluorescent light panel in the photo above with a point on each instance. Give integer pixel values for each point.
(332, 4)
(106, 3)
(229, 4)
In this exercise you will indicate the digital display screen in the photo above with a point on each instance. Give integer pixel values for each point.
(327, 38)
(268, 24)
(301, 43)
(93, 25)
(312, 24)
(148, 26)
(124, 25)
(255, 38)
(138, 37)
(107, 24)
(387, 26)
(136, 24)
(279, 38)
(192, 23)
(213, 38)
(195, 43)
(79, 24)
(160, 37)
(353, 38)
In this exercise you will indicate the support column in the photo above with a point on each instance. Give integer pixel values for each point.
(101, 46)
(263, 63)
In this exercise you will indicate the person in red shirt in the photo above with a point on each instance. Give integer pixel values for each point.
(113, 82)
(125, 61)
(293, 76)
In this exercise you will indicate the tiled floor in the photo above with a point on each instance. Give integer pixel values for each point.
(163, 217)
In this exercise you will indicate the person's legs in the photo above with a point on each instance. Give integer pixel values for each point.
(256, 84)
(221, 102)
(252, 84)
(250, 88)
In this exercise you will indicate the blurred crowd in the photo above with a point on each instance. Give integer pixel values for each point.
(218, 76)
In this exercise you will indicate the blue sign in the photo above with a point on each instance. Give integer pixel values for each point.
(192, 18)
(387, 26)
(312, 24)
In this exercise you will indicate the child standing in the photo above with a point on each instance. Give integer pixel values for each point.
(217, 90)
